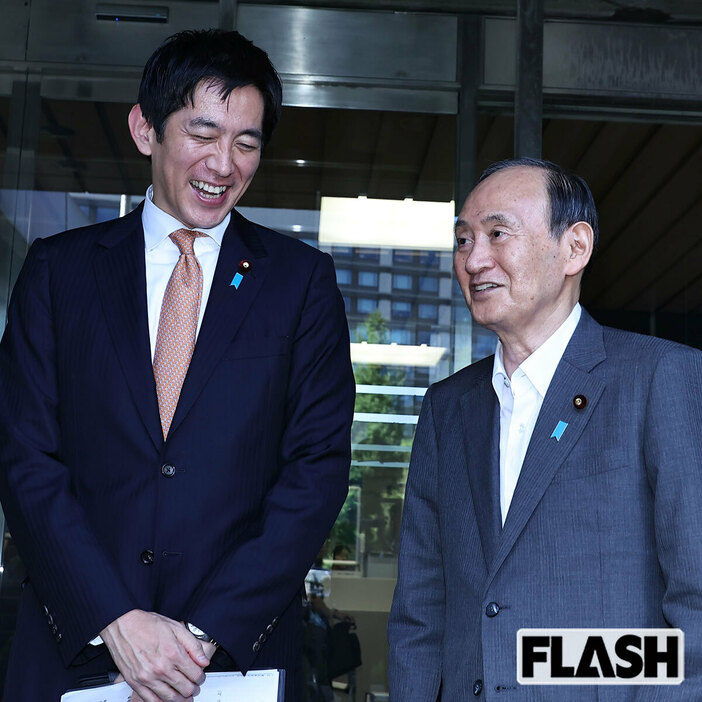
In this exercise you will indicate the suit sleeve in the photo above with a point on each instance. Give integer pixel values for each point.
(416, 623)
(239, 602)
(673, 456)
(72, 576)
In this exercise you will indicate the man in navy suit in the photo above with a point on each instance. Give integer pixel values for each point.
(556, 484)
(162, 540)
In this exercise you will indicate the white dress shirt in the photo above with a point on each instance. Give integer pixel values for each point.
(521, 397)
(162, 255)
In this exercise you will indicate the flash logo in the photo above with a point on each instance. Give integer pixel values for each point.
(600, 656)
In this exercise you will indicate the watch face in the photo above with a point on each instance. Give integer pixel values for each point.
(197, 633)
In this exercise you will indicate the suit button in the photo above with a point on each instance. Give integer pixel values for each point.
(147, 557)
(269, 629)
(59, 636)
(492, 609)
(54, 629)
(477, 687)
(167, 470)
(256, 647)
(50, 619)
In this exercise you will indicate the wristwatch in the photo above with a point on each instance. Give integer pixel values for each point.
(200, 634)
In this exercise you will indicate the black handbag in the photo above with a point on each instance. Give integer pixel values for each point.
(344, 650)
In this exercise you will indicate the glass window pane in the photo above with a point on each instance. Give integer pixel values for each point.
(427, 311)
(401, 336)
(401, 309)
(401, 281)
(366, 305)
(428, 283)
(424, 336)
(429, 259)
(368, 279)
(402, 256)
(367, 254)
(343, 276)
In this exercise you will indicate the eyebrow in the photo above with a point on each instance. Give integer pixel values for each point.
(211, 124)
(498, 218)
(204, 122)
(256, 133)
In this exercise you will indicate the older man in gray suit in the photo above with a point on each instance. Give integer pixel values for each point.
(556, 484)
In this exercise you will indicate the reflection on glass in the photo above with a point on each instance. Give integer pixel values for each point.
(365, 305)
(427, 311)
(343, 276)
(368, 279)
(429, 284)
(401, 310)
(401, 282)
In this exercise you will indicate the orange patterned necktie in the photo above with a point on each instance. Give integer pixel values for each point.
(177, 326)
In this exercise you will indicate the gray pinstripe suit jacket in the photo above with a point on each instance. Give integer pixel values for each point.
(604, 530)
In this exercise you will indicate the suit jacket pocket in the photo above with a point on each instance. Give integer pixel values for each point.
(258, 347)
(587, 465)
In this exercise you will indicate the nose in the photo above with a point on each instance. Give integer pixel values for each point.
(479, 258)
(220, 161)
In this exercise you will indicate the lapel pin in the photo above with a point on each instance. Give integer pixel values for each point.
(558, 431)
(580, 402)
(244, 267)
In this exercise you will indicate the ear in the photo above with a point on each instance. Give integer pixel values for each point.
(578, 242)
(142, 132)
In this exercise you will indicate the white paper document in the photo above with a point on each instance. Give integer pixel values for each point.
(255, 686)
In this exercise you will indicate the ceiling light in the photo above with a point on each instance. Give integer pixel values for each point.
(399, 224)
(397, 354)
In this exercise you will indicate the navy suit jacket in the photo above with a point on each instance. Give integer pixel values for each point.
(604, 529)
(260, 443)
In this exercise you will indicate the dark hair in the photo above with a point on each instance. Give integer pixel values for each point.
(338, 549)
(188, 58)
(569, 195)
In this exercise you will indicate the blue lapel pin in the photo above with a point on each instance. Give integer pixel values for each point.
(558, 431)
(244, 267)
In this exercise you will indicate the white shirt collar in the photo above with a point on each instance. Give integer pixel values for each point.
(159, 224)
(541, 365)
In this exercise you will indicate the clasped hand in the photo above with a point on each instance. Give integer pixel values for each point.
(158, 657)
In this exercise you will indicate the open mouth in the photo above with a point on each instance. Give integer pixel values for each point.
(484, 286)
(208, 191)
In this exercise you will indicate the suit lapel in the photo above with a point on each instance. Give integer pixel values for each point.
(545, 453)
(120, 272)
(480, 415)
(227, 307)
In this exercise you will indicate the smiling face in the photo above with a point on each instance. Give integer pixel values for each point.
(208, 155)
(517, 279)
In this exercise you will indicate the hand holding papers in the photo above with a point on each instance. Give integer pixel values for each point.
(255, 686)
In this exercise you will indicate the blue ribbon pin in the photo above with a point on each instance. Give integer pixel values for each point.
(236, 280)
(558, 431)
